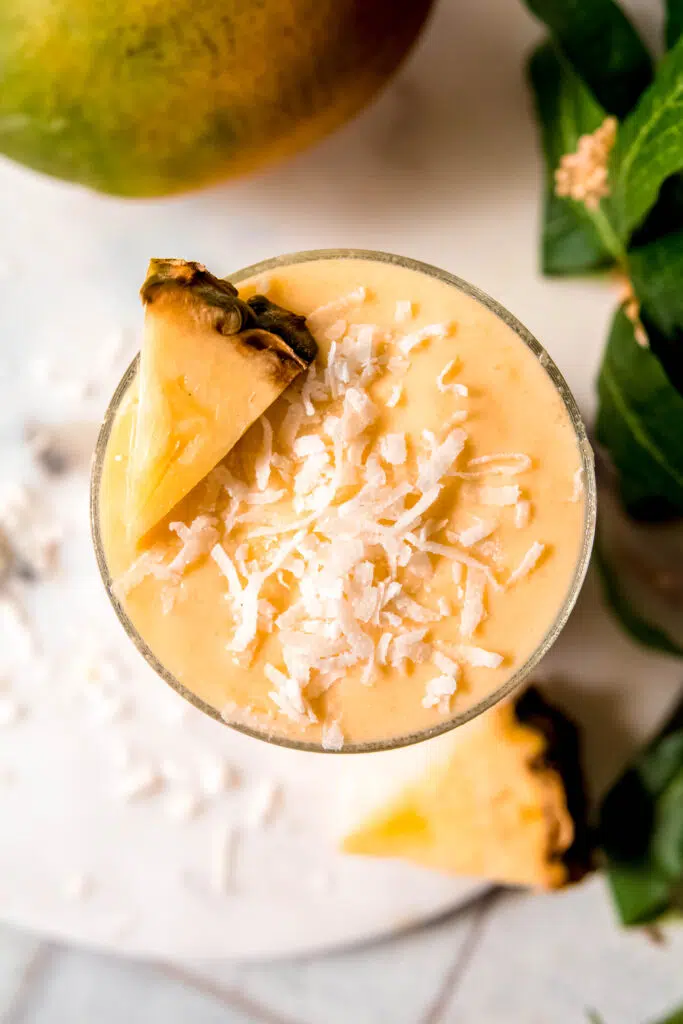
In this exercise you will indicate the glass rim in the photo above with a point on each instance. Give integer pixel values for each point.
(518, 677)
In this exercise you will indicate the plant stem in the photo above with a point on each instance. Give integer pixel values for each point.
(609, 236)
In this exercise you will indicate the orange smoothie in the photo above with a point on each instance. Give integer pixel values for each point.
(390, 543)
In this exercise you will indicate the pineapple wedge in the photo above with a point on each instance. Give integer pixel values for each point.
(210, 365)
(505, 804)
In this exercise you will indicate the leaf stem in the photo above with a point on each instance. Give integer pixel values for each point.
(609, 236)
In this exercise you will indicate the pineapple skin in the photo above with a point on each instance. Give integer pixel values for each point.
(207, 371)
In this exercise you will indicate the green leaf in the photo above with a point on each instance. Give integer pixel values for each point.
(665, 217)
(657, 275)
(638, 627)
(603, 46)
(570, 243)
(649, 147)
(674, 22)
(640, 422)
(640, 894)
(565, 110)
(667, 841)
(674, 1018)
(641, 830)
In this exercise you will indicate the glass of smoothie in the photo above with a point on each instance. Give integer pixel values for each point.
(392, 546)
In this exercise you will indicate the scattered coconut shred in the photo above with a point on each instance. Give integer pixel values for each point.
(349, 568)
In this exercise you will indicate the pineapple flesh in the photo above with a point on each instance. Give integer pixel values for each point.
(506, 804)
(210, 365)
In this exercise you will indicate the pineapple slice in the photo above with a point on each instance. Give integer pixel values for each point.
(210, 365)
(506, 804)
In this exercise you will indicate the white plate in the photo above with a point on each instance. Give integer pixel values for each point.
(443, 168)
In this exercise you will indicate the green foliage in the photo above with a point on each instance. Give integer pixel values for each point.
(649, 146)
(605, 49)
(641, 830)
(640, 421)
(566, 109)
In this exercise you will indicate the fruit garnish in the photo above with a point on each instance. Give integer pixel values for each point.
(505, 804)
(210, 365)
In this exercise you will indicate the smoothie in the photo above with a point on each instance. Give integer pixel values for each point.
(388, 545)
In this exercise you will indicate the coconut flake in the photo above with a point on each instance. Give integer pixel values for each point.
(520, 462)
(446, 665)
(227, 567)
(473, 603)
(383, 648)
(224, 853)
(198, 539)
(479, 530)
(438, 693)
(394, 396)
(335, 332)
(263, 805)
(263, 462)
(340, 305)
(507, 495)
(310, 444)
(393, 449)
(358, 413)
(477, 657)
(268, 497)
(441, 460)
(404, 311)
(332, 736)
(429, 333)
(411, 516)
(577, 485)
(409, 646)
(522, 514)
(454, 388)
(290, 426)
(137, 783)
(528, 562)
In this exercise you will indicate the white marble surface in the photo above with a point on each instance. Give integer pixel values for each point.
(444, 168)
(510, 959)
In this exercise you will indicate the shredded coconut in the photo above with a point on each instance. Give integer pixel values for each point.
(138, 782)
(332, 736)
(404, 311)
(479, 530)
(429, 333)
(577, 485)
(394, 396)
(528, 562)
(198, 539)
(457, 389)
(263, 462)
(354, 298)
(473, 604)
(511, 462)
(441, 460)
(393, 449)
(438, 693)
(264, 804)
(522, 514)
(477, 657)
(227, 567)
(224, 853)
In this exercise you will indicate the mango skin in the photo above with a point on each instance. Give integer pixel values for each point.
(152, 97)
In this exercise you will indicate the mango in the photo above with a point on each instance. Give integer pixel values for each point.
(151, 97)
